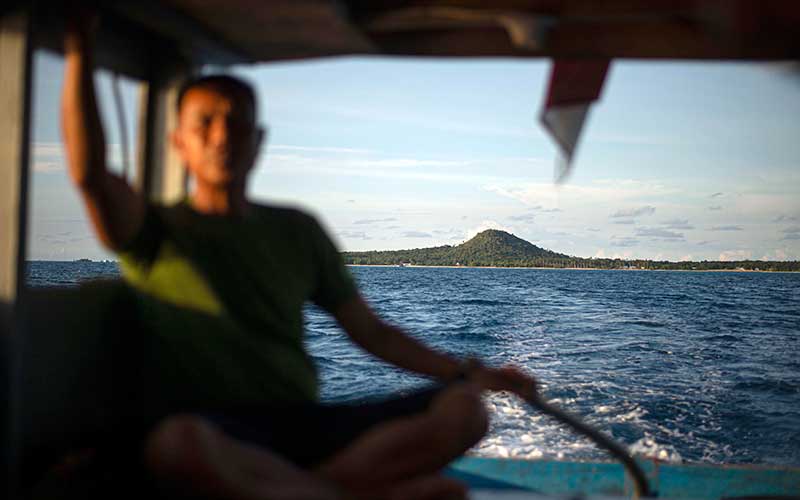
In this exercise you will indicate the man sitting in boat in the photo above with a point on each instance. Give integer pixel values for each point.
(221, 283)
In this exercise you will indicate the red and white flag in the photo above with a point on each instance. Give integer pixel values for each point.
(574, 84)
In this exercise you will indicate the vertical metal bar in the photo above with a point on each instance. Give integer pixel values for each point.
(143, 154)
(15, 98)
(160, 174)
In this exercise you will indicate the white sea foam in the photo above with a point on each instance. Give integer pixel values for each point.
(649, 448)
(603, 408)
(633, 415)
(677, 392)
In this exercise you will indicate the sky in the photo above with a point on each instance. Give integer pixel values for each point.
(678, 161)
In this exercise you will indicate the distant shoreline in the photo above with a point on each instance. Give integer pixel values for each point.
(494, 248)
(495, 267)
(579, 268)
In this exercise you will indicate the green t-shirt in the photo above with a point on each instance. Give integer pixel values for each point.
(222, 299)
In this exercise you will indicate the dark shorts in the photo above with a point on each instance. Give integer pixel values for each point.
(308, 434)
(304, 434)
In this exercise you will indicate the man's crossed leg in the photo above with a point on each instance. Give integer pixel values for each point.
(398, 459)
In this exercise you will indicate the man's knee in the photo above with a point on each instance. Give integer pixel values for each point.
(462, 411)
(172, 439)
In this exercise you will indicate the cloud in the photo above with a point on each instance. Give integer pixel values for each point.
(731, 255)
(658, 233)
(407, 163)
(351, 201)
(47, 167)
(47, 157)
(634, 212)
(704, 243)
(593, 229)
(373, 221)
(356, 235)
(624, 241)
(287, 147)
(626, 222)
(766, 204)
(786, 218)
(487, 224)
(601, 254)
(416, 234)
(715, 208)
(545, 210)
(677, 224)
(538, 194)
(528, 218)
(422, 120)
(63, 238)
(792, 233)
(635, 139)
(777, 254)
(445, 232)
(49, 149)
(727, 228)
(302, 163)
(716, 195)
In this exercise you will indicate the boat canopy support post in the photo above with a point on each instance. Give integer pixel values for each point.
(160, 174)
(15, 101)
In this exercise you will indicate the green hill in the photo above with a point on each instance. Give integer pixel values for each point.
(488, 248)
(501, 249)
(493, 244)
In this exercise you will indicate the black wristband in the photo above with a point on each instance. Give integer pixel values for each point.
(466, 367)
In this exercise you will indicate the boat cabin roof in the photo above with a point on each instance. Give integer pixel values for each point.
(253, 31)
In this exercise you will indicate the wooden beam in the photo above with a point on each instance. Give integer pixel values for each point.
(194, 41)
(131, 34)
(15, 98)
(159, 173)
(675, 39)
(605, 29)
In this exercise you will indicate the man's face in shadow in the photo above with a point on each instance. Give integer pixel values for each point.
(217, 137)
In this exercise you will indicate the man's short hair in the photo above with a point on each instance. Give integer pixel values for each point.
(224, 83)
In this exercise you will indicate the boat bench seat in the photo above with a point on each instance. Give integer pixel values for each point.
(75, 371)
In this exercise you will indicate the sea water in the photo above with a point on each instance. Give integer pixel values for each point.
(683, 366)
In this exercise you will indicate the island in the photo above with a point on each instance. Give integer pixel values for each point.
(495, 248)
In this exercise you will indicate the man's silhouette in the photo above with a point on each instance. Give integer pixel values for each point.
(222, 282)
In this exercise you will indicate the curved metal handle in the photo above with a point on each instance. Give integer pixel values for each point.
(640, 480)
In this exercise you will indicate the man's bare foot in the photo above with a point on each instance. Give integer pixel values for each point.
(409, 448)
(190, 455)
(398, 460)
(435, 487)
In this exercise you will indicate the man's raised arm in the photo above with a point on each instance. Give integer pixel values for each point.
(116, 211)
(391, 344)
(395, 346)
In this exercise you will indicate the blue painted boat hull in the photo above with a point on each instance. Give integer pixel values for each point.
(605, 478)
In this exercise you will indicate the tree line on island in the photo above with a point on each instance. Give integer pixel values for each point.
(495, 248)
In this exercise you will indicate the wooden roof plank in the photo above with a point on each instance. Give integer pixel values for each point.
(233, 31)
(281, 29)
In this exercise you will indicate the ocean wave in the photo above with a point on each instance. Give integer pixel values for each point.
(767, 385)
(698, 367)
(722, 338)
(647, 447)
(646, 323)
